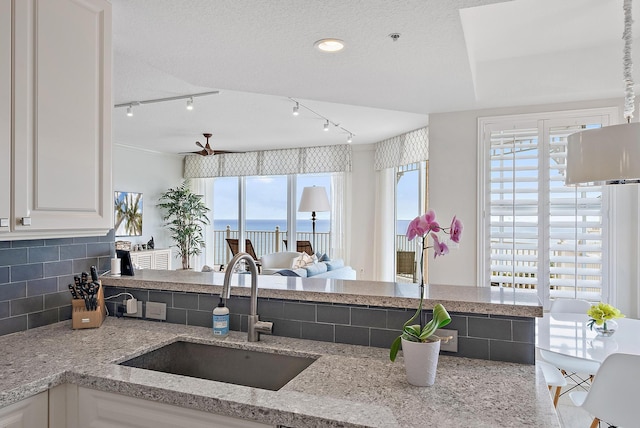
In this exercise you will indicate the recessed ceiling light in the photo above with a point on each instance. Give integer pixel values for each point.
(329, 45)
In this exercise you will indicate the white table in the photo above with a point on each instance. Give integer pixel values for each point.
(568, 334)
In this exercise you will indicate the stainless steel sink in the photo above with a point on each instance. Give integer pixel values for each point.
(238, 366)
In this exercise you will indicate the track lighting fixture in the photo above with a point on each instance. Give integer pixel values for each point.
(129, 105)
(296, 112)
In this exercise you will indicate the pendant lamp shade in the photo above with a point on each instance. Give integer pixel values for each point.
(609, 155)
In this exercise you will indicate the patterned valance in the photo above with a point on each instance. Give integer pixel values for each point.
(403, 149)
(302, 160)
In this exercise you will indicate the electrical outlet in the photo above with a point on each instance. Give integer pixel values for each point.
(157, 311)
(452, 344)
(138, 313)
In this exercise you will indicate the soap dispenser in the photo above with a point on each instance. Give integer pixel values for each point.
(221, 320)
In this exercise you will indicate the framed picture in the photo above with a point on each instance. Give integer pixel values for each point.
(128, 214)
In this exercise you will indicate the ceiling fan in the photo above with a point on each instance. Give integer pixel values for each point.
(206, 149)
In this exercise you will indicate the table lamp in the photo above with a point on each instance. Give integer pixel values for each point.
(314, 199)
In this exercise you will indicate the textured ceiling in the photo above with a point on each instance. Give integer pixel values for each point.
(452, 55)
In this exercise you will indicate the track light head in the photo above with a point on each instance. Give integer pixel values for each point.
(350, 139)
(296, 109)
(190, 104)
(129, 111)
(326, 126)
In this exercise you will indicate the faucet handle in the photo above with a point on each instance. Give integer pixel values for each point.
(265, 327)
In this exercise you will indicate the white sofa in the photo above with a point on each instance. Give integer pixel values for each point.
(275, 263)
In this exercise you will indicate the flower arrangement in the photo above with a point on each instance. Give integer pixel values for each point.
(600, 313)
(423, 226)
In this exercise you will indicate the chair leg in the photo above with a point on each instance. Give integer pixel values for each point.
(595, 423)
(556, 396)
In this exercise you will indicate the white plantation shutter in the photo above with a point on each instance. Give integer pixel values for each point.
(576, 233)
(538, 233)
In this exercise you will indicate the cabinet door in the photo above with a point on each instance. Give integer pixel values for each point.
(62, 115)
(5, 115)
(142, 260)
(104, 409)
(28, 413)
(162, 259)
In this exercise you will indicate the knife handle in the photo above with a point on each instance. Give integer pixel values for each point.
(94, 273)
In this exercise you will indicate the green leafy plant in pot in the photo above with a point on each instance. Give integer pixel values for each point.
(420, 345)
(185, 214)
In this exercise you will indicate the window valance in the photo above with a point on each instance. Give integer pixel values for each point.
(302, 160)
(403, 149)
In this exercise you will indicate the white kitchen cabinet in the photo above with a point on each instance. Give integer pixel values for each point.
(5, 114)
(60, 148)
(104, 409)
(152, 259)
(28, 413)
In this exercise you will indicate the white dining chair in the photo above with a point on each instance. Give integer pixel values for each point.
(571, 367)
(569, 306)
(613, 397)
(554, 379)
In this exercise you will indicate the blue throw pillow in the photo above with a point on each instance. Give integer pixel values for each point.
(286, 272)
(316, 269)
(322, 257)
(335, 264)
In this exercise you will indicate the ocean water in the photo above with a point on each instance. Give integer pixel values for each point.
(301, 225)
(270, 225)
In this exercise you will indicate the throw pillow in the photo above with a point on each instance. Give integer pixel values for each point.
(303, 260)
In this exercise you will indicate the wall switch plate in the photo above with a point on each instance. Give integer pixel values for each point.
(452, 344)
(157, 311)
(138, 313)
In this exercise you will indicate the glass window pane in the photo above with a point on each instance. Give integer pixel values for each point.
(266, 212)
(225, 217)
(304, 224)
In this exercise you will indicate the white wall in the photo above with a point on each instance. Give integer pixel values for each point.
(151, 173)
(453, 151)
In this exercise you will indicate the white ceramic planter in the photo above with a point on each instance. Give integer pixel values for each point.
(421, 361)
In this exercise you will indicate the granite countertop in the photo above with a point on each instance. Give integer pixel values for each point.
(480, 300)
(347, 386)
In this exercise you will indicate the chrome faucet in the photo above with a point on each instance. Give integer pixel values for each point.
(255, 325)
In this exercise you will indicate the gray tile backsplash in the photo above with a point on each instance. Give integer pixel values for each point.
(34, 275)
(487, 337)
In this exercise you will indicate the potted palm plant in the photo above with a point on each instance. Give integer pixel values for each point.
(185, 214)
(420, 345)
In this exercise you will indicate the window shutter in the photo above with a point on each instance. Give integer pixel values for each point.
(541, 234)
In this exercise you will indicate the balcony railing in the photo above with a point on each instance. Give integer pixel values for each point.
(265, 242)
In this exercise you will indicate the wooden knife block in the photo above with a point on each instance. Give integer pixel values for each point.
(82, 318)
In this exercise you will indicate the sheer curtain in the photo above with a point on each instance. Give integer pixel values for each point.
(384, 245)
(340, 191)
(204, 187)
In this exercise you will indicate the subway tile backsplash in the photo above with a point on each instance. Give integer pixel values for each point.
(480, 336)
(34, 277)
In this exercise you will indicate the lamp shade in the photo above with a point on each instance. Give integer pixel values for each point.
(314, 199)
(610, 154)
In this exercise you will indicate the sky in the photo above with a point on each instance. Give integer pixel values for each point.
(267, 196)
